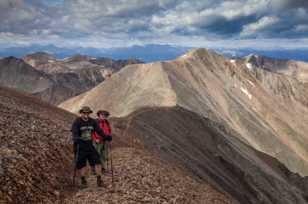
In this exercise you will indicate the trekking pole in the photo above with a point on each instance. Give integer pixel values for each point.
(75, 164)
(111, 165)
(107, 157)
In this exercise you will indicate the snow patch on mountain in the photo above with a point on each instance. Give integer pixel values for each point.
(245, 91)
(249, 66)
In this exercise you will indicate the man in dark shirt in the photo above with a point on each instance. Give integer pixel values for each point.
(82, 130)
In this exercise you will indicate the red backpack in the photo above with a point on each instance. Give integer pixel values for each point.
(104, 124)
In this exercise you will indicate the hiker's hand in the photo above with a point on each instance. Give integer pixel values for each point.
(108, 138)
(75, 147)
(76, 142)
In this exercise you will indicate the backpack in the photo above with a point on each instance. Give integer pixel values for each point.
(105, 126)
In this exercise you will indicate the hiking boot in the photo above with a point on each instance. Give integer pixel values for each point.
(84, 183)
(99, 181)
(103, 170)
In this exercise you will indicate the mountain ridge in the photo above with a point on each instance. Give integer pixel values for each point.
(214, 87)
(213, 153)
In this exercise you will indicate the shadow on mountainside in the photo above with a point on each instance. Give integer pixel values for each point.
(212, 153)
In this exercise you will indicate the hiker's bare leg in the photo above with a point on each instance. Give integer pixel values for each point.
(83, 172)
(98, 169)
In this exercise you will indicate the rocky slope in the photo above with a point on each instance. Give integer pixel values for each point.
(141, 178)
(56, 80)
(39, 58)
(116, 65)
(254, 102)
(295, 69)
(36, 163)
(130, 89)
(17, 74)
(34, 150)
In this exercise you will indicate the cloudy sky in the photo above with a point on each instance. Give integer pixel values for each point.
(262, 24)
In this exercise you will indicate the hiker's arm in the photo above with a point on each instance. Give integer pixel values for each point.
(99, 131)
(75, 131)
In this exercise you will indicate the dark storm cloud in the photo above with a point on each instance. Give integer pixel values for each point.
(287, 4)
(245, 19)
(138, 19)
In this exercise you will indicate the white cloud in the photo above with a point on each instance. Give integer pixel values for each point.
(262, 24)
(236, 9)
(302, 28)
(108, 23)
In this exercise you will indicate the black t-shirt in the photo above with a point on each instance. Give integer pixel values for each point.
(83, 130)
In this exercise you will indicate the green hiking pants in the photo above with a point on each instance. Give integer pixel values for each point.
(102, 151)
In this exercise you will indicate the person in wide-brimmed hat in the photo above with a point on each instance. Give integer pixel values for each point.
(85, 109)
(82, 130)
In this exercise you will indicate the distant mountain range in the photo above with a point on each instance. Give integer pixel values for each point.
(56, 80)
(298, 54)
(146, 53)
(150, 52)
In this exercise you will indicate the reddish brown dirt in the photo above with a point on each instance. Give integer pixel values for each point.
(34, 149)
(141, 178)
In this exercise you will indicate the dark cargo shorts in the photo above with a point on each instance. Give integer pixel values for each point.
(85, 151)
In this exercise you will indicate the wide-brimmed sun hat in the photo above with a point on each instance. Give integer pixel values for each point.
(85, 109)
